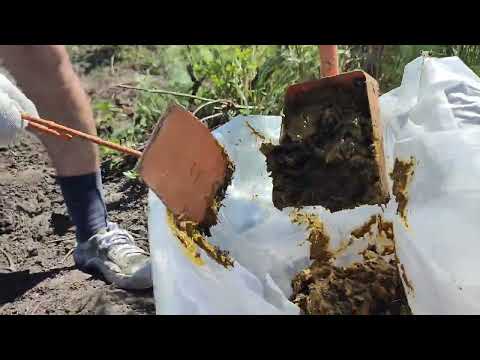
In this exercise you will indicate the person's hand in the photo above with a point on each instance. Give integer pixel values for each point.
(12, 103)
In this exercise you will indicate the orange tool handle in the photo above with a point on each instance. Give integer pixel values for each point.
(328, 60)
(48, 131)
(53, 128)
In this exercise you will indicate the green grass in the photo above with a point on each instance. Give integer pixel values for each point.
(247, 75)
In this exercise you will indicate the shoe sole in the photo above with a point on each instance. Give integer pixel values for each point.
(140, 280)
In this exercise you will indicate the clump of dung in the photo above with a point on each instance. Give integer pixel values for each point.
(401, 175)
(327, 154)
(370, 287)
(191, 237)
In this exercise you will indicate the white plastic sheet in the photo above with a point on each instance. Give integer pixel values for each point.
(434, 117)
(267, 247)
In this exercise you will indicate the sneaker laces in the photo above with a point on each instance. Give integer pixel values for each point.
(118, 241)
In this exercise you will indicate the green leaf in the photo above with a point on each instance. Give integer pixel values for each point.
(131, 174)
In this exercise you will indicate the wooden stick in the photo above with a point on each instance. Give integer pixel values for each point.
(66, 130)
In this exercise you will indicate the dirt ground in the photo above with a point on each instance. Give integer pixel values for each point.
(36, 234)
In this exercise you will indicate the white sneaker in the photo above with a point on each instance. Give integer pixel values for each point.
(114, 254)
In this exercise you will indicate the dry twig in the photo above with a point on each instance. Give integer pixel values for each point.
(70, 252)
(175, 93)
(11, 264)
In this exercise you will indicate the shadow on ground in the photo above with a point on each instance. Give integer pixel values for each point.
(13, 285)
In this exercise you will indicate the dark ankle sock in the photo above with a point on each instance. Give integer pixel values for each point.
(85, 203)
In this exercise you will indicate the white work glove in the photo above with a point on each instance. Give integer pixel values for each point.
(12, 103)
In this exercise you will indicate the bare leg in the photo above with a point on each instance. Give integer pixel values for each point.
(46, 76)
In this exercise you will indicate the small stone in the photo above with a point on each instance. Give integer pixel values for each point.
(32, 252)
